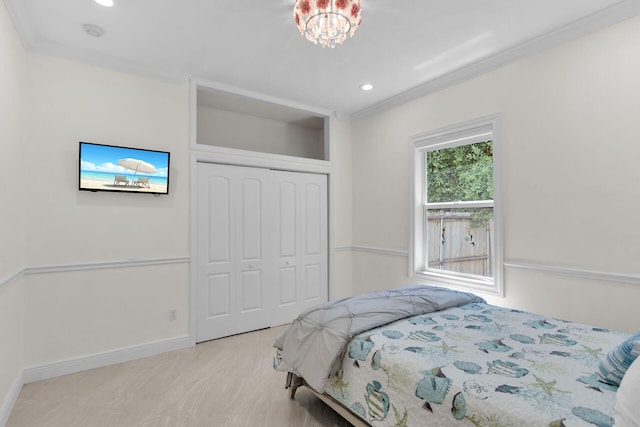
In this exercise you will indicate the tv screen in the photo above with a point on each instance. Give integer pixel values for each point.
(123, 169)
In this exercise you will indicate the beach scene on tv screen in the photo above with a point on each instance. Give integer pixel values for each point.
(104, 167)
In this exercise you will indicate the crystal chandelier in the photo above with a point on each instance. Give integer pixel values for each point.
(327, 22)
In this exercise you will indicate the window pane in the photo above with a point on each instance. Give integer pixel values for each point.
(461, 240)
(463, 173)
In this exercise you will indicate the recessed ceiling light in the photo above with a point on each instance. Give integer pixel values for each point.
(107, 3)
(93, 30)
(366, 87)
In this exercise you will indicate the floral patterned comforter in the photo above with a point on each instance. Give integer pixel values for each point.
(478, 365)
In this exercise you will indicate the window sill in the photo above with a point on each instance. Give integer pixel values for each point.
(488, 286)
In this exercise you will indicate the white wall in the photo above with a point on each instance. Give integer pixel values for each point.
(234, 130)
(340, 200)
(77, 312)
(570, 171)
(12, 224)
(72, 102)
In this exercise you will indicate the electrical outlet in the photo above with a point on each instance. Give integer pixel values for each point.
(173, 314)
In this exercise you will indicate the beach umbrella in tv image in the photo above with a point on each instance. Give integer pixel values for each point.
(137, 166)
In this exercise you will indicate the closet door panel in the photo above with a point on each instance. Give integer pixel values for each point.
(251, 292)
(314, 257)
(232, 247)
(250, 245)
(302, 251)
(287, 219)
(250, 213)
(313, 283)
(218, 295)
(286, 243)
(219, 222)
(287, 294)
(313, 217)
(215, 252)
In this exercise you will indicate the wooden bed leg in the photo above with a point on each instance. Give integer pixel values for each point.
(293, 382)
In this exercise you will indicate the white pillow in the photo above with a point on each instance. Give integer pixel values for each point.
(628, 398)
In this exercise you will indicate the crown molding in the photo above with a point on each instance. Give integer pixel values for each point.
(614, 14)
(25, 31)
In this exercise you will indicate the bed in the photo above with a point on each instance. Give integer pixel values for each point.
(428, 356)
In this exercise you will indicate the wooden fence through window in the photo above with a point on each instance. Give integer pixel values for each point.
(454, 245)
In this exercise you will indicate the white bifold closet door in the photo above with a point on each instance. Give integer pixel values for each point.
(262, 247)
(300, 243)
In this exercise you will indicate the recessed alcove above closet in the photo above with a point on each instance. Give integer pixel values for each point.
(243, 122)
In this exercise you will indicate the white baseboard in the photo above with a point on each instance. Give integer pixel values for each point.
(83, 363)
(98, 360)
(11, 399)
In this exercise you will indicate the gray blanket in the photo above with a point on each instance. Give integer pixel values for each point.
(315, 342)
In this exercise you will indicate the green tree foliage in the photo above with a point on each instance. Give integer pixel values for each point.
(463, 173)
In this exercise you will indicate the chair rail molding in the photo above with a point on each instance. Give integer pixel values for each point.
(372, 250)
(10, 278)
(98, 265)
(575, 273)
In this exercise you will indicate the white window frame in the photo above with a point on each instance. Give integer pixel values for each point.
(472, 131)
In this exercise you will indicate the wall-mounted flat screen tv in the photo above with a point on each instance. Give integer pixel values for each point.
(123, 169)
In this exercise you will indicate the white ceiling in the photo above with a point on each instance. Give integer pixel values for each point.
(405, 48)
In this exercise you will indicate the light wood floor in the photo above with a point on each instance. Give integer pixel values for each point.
(225, 382)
